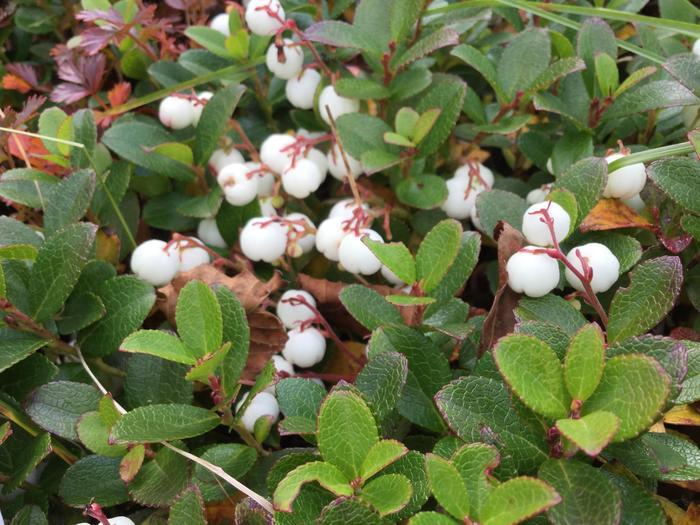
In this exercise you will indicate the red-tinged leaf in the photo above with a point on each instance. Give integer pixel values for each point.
(36, 153)
(613, 214)
(131, 463)
(27, 74)
(119, 93)
(82, 76)
(15, 83)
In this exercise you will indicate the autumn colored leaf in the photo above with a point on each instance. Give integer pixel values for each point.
(613, 214)
(13, 82)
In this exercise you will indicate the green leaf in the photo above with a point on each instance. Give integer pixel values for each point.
(25, 252)
(14, 232)
(236, 332)
(585, 359)
(376, 160)
(552, 309)
(387, 494)
(93, 478)
(396, 257)
(684, 68)
(128, 300)
(238, 44)
(431, 518)
(360, 133)
(188, 509)
(410, 83)
(382, 454)
(679, 179)
(653, 290)
(23, 453)
(300, 397)
(207, 366)
(361, 89)
(409, 300)
(80, 311)
(635, 78)
(586, 494)
(369, 308)
(381, 381)
(57, 406)
(595, 38)
(209, 39)
(553, 73)
(534, 372)
(151, 380)
(657, 94)
(135, 140)
(26, 186)
(619, 393)
(29, 515)
(349, 511)
(346, 431)
(57, 268)
(160, 344)
(198, 318)
(422, 191)
(517, 500)
(327, 475)
(93, 432)
(447, 486)
(231, 219)
(591, 433)
(493, 206)
(437, 253)
(425, 123)
(412, 465)
(526, 56)
(235, 459)
(606, 73)
(214, 121)
(69, 200)
(462, 267)
(153, 423)
(85, 133)
(405, 121)
(473, 461)
(476, 59)
(15, 346)
(638, 505)
(397, 140)
(447, 94)
(473, 405)
(443, 37)
(161, 480)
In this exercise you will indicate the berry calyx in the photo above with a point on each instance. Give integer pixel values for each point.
(302, 234)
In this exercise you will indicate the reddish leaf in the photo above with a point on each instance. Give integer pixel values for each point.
(613, 214)
(15, 83)
(83, 76)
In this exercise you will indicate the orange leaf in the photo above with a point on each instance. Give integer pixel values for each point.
(613, 214)
(119, 93)
(14, 82)
(34, 149)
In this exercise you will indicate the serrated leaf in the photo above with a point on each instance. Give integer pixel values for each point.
(447, 94)
(57, 268)
(387, 494)
(679, 179)
(425, 123)
(153, 423)
(619, 393)
(462, 267)
(368, 307)
(93, 432)
(493, 206)
(476, 59)
(534, 372)
(422, 191)
(127, 300)
(396, 257)
(554, 72)
(93, 478)
(209, 39)
(376, 160)
(431, 518)
(361, 89)
(447, 486)
(525, 57)
(346, 432)
(437, 253)
(381, 381)
(606, 74)
(299, 397)
(15, 346)
(29, 515)
(235, 459)
(653, 290)
(188, 509)
(552, 309)
(397, 140)
(69, 200)
(151, 380)
(443, 37)
(473, 461)
(382, 454)
(26, 186)
(475, 407)
(214, 121)
(161, 480)
(405, 121)
(24, 453)
(198, 318)
(409, 300)
(584, 362)
(160, 344)
(360, 133)
(207, 366)
(657, 94)
(131, 463)
(80, 311)
(518, 499)
(591, 433)
(327, 475)
(350, 511)
(638, 505)
(337, 34)
(586, 494)
(57, 406)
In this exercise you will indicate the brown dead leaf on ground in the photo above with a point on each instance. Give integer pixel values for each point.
(501, 318)
(613, 214)
(267, 337)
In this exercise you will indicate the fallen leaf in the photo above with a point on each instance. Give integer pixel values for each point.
(501, 318)
(35, 150)
(339, 364)
(613, 214)
(267, 337)
(15, 83)
(682, 415)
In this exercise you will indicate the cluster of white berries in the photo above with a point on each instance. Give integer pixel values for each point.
(532, 270)
(178, 112)
(306, 345)
(463, 188)
(158, 262)
(117, 520)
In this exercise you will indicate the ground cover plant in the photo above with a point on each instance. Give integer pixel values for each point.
(375, 262)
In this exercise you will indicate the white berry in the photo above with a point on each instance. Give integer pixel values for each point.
(267, 207)
(240, 188)
(336, 164)
(263, 239)
(221, 158)
(266, 181)
(292, 314)
(460, 202)
(485, 175)
(316, 156)
(603, 263)
(336, 104)
(152, 262)
(271, 151)
(208, 231)
(120, 520)
(198, 105)
(285, 62)
(354, 254)
(301, 89)
(189, 256)
(301, 132)
(282, 365)
(220, 23)
(537, 232)
(176, 112)
(329, 235)
(304, 348)
(550, 166)
(625, 182)
(306, 241)
(532, 272)
(635, 202)
(263, 405)
(538, 194)
(301, 179)
(259, 20)
(345, 209)
(696, 47)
